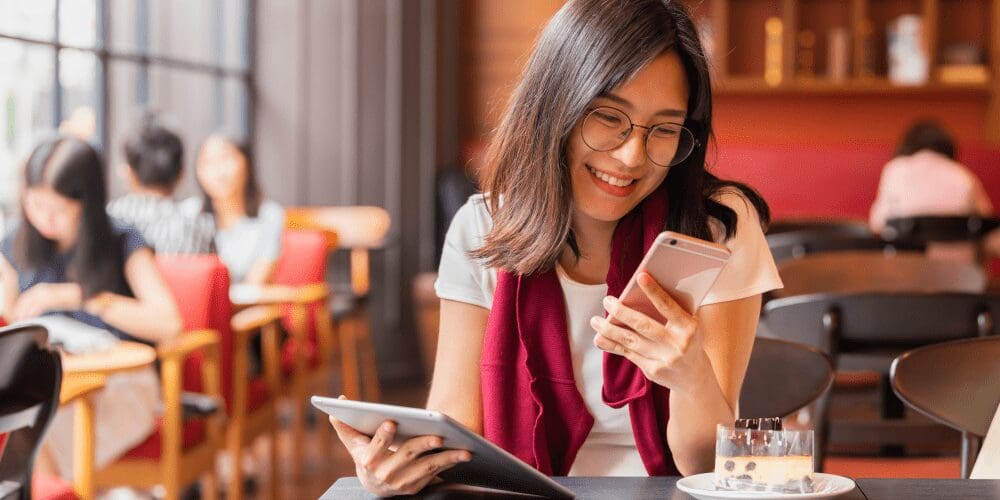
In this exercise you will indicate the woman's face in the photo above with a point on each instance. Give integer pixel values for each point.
(657, 94)
(221, 169)
(56, 217)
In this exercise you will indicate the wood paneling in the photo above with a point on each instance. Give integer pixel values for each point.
(497, 39)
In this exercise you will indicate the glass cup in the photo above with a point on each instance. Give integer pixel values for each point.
(763, 460)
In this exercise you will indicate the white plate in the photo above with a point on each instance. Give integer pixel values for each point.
(702, 487)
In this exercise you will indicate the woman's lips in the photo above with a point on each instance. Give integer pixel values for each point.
(615, 186)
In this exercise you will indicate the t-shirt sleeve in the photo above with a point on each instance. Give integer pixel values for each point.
(7, 245)
(880, 207)
(750, 270)
(460, 277)
(132, 239)
(272, 220)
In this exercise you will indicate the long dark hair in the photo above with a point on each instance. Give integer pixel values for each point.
(589, 48)
(73, 169)
(252, 195)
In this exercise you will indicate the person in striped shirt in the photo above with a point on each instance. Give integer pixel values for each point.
(155, 162)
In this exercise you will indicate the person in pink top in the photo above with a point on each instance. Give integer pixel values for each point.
(925, 179)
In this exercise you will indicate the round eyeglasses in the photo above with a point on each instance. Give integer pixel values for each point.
(667, 144)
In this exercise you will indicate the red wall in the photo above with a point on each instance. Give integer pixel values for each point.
(822, 155)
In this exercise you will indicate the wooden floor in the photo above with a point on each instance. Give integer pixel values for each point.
(320, 469)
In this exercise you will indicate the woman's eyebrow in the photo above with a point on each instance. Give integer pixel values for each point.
(625, 102)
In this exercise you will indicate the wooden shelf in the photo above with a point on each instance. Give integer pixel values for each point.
(870, 86)
(739, 41)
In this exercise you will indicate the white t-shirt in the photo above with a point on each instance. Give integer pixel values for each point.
(927, 183)
(250, 240)
(610, 448)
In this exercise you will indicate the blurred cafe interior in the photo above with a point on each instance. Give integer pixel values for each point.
(214, 209)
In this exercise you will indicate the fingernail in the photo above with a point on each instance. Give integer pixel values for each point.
(437, 443)
(596, 321)
(645, 278)
(467, 457)
(387, 426)
(610, 302)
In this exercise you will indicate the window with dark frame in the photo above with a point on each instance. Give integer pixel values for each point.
(90, 68)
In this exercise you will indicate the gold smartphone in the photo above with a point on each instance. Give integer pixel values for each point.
(686, 267)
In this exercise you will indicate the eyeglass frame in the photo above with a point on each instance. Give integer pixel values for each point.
(645, 137)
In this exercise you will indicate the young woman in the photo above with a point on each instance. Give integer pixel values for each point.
(67, 257)
(248, 228)
(602, 146)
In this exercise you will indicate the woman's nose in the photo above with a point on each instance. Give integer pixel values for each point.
(632, 152)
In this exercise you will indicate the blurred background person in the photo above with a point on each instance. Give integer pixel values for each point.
(154, 158)
(247, 227)
(67, 257)
(925, 179)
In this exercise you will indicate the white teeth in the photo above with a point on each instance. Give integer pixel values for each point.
(614, 181)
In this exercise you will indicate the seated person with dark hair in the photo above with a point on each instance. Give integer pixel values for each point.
(925, 179)
(155, 158)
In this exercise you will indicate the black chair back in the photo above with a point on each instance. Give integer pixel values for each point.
(842, 227)
(782, 378)
(866, 331)
(30, 379)
(880, 322)
(955, 383)
(924, 229)
(798, 244)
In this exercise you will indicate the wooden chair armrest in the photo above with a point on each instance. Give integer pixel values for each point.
(247, 324)
(79, 385)
(313, 292)
(186, 343)
(253, 318)
(282, 294)
(172, 355)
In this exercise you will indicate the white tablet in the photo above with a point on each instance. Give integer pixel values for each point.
(490, 467)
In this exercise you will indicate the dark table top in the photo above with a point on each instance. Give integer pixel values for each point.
(920, 489)
(640, 488)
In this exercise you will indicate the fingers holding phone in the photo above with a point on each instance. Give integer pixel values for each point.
(654, 325)
(668, 354)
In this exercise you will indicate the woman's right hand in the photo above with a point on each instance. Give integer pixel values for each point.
(385, 472)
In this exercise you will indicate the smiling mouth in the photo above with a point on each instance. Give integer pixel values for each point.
(614, 181)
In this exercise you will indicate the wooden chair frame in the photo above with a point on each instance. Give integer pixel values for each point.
(177, 467)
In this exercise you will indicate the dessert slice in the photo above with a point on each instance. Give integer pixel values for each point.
(757, 455)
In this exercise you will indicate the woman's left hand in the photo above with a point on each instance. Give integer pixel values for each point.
(45, 297)
(670, 354)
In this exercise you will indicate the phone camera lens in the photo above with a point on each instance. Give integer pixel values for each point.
(673, 242)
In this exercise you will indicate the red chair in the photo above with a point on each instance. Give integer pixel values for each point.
(181, 450)
(201, 287)
(51, 488)
(306, 355)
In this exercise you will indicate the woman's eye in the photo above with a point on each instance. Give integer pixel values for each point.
(665, 131)
(608, 119)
